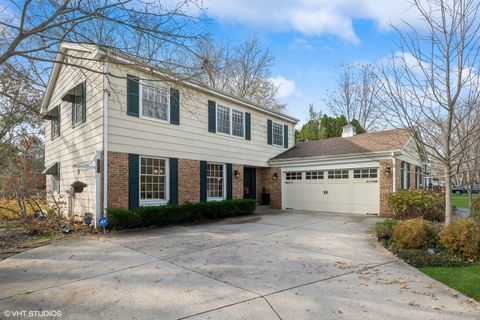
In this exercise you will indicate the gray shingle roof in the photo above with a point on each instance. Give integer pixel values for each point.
(362, 143)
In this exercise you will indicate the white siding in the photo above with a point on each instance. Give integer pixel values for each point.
(79, 144)
(191, 139)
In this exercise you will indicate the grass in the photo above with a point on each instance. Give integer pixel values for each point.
(464, 279)
(461, 200)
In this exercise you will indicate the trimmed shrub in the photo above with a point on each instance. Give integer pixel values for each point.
(178, 214)
(419, 203)
(123, 219)
(414, 234)
(384, 230)
(462, 237)
(475, 210)
(429, 258)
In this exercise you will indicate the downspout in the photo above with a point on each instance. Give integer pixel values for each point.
(394, 170)
(106, 93)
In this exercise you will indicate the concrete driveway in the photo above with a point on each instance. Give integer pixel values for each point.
(276, 265)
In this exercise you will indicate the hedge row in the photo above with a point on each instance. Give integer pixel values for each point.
(177, 214)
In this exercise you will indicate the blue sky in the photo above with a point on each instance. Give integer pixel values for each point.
(311, 38)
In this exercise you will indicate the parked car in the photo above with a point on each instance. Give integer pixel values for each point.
(459, 190)
(464, 189)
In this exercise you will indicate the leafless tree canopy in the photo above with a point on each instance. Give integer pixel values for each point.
(356, 96)
(243, 70)
(431, 84)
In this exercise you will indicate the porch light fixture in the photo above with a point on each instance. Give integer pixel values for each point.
(387, 170)
(236, 174)
(275, 177)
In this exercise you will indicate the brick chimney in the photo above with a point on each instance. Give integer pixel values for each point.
(348, 131)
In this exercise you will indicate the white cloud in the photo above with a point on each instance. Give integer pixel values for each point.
(312, 17)
(286, 88)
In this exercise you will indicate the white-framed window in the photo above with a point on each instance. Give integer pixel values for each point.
(79, 103)
(238, 123)
(223, 119)
(154, 100)
(418, 177)
(215, 181)
(314, 175)
(295, 175)
(365, 173)
(230, 121)
(405, 175)
(56, 180)
(55, 122)
(277, 134)
(338, 174)
(153, 181)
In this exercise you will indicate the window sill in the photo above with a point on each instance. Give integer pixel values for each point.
(155, 119)
(151, 203)
(230, 135)
(215, 199)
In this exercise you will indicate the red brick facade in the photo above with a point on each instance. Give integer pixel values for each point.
(272, 185)
(117, 180)
(188, 181)
(386, 185)
(237, 182)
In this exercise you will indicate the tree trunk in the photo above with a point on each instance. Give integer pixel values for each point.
(448, 195)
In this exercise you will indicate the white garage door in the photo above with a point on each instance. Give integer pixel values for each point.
(346, 190)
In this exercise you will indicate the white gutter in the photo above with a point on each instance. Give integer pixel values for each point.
(106, 93)
(394, 170)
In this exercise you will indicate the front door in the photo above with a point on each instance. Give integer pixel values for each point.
(249, 183)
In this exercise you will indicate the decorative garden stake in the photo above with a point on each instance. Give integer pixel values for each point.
(103, 222)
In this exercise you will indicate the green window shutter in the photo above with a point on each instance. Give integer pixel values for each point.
(174, 106)
(203, 181)
(269, 131)
(133, 95)
(212, 110)
(83, 94)
(173, 176)
(133, 181)
(285, 136)
(248, 126)
(229, 181)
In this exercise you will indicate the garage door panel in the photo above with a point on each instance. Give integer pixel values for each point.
(350, 195)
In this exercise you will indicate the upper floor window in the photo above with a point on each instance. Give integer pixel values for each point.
(230, 121)
(55, 122)
(365, 173)
(77, 96)
(154, 100)
(215, 181)
(223, 120)
(338, 174)
(153, 184)
(277, 134)
(296, 175)
(313, 175)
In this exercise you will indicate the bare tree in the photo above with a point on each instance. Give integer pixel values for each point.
(431, 84)
(243, 71)
(355, 96)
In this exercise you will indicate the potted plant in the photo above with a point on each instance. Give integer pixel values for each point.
(78, 186)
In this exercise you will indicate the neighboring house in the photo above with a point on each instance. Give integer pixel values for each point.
(162, 140)
(352, 174)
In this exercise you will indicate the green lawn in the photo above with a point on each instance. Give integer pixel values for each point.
(461, 200)
(464, 279)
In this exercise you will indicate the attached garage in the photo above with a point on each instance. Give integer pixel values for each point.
(352, 174)
(336, 190)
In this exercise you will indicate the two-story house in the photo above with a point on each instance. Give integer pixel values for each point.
(138, 137)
